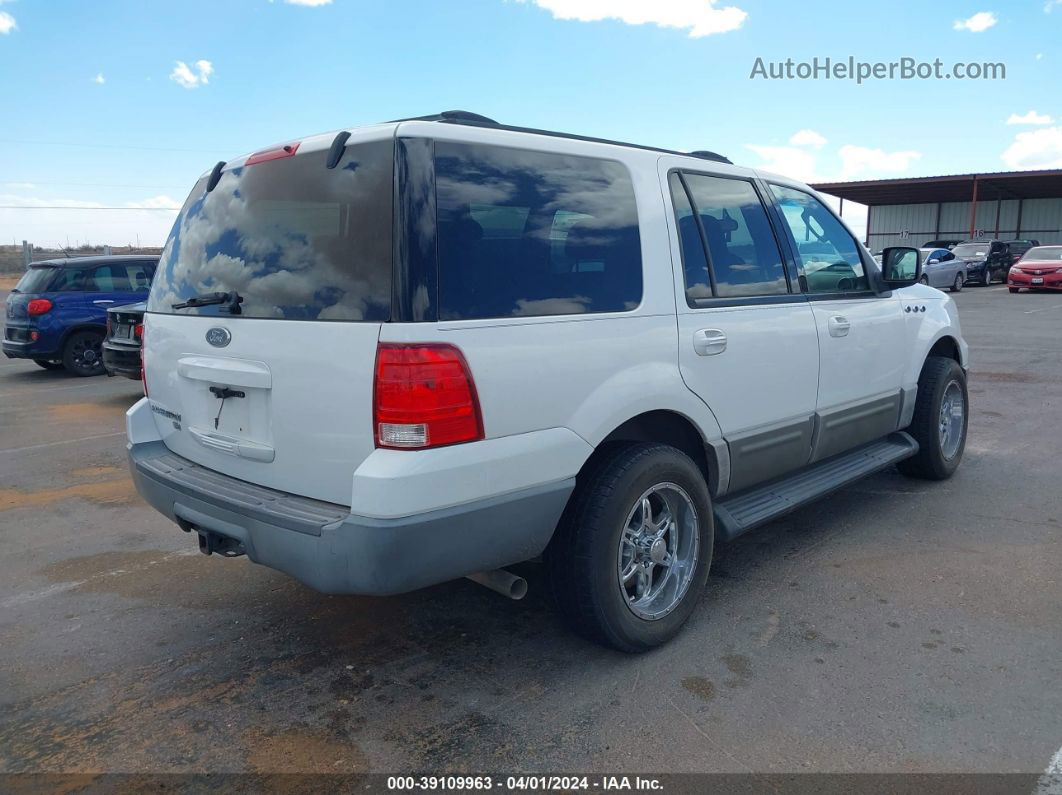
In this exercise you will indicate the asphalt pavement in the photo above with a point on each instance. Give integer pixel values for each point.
(898, 625)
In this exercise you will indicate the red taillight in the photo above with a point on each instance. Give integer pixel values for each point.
(38, 306)
(424, 396)
(138, 331)
(143, 369)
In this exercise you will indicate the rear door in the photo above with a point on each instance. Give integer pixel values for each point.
(105, 286)
(862, 336)
(276, 389)
(747, 341)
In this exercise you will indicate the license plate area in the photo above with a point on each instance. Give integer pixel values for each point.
(1038, 280)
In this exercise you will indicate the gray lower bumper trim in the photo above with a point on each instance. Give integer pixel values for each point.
(352, 554)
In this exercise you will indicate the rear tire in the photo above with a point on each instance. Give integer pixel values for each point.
(940, 420)
(956, 286)
(612, 583)
(83, 353)
(48, 365)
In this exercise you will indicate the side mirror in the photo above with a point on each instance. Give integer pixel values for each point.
(900, 266)
(933, 261)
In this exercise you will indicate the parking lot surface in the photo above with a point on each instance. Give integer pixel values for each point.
(897, 625)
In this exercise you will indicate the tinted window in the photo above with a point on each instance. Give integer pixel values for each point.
(36, 280)
(527, 233)
(744, 256)
(139, 276)
(295, 239)
(828, 255)
(74, 280)
(108, 279)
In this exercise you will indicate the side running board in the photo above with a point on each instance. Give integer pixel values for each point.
(742, 512)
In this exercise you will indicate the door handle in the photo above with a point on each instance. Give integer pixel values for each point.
(104, 301)
(839, 326)
(709, 341)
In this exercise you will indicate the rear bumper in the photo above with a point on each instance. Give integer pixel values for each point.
(328, 548)
(121, 360)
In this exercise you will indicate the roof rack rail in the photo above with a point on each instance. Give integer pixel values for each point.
(476, 120)
(706, 154)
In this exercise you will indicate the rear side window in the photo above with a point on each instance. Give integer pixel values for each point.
(742, 253)
(108, 279)
(528, 233)
(74, 280)
(36, 280)
(296, 240)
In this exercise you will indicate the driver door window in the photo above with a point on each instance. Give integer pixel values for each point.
(827, 254)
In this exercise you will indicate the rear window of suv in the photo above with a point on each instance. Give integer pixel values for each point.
(525, 233)
(296, 240)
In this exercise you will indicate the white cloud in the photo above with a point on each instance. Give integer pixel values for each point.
(787, 160)
(192, 77)
(1050, 4)
(20, 185)
(808, 138)
(1039, 56)
(863, 161)
(99, 79)
(1035, 149)
(155, 203)
(978, 23)
(7, 23)
(1032, 117)
(311, 3)
(700, 17)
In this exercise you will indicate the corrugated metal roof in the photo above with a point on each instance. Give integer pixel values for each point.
(991, 185)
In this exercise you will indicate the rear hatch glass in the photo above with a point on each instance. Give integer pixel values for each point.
(280, 393)
(294, 239)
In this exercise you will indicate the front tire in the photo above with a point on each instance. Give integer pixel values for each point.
(631, 555)
(940, 420)
(987, 280)
(83, 353)
(956, 286)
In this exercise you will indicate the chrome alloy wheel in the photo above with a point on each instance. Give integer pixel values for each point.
(658, 551)
(951, 422)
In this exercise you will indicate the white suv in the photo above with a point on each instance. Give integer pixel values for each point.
(436, 347)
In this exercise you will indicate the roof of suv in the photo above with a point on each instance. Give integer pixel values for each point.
(468, 118)
(103, 259)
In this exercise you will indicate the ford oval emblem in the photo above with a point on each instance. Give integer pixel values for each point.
(218, 337)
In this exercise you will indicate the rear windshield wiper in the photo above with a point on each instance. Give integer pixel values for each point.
(231, 301)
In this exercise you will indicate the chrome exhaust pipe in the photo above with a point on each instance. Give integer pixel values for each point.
(501, 581)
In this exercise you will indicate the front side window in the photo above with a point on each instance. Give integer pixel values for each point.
(827, 253)
(294, 239)
(742, 252)
(529, 233)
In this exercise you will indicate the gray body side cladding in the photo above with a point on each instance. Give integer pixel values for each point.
(334, 551)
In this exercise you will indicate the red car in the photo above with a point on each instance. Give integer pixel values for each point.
(1039, 269)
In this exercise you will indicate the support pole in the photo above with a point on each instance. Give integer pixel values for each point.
(973, 209)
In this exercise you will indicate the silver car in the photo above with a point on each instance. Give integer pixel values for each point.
(941, 268)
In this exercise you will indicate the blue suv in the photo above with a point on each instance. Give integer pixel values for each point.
(57, 313)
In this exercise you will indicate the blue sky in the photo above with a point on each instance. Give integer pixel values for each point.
(98, 111)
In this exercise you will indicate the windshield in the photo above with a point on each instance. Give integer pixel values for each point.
(295, 240)
(972, 250)
(36, 280)
(1044, 253)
